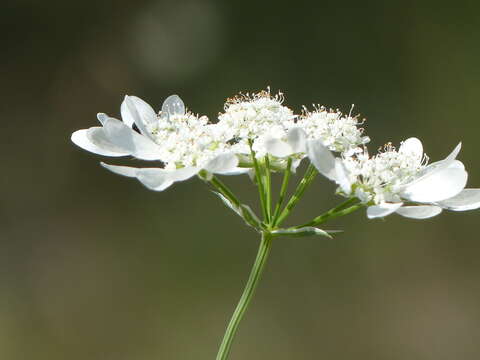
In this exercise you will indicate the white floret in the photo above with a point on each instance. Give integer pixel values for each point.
(338, 132)
(253, 118)
(187, 140)
(381, 178)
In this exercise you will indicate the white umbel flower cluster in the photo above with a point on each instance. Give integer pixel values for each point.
(262, 119)
(380, 178)
(185, 139)
(338, 132)
(254, 117)
(183, 144)
(399, 181)
(251, 116)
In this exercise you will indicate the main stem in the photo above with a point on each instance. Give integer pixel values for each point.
(247, 295)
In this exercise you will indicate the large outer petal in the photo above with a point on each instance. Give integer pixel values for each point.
(153, 178)
(95, 141)
(453, 155)
(222, 163)
(98, 137)
(277, 147)
(420, 211)
(441, 183)
(327, 165)
(439, 165)
(296, 142)
(130, 141)
(121, 170)
(160, 179)
(183, 174)
(382, 210)
(127, 116)
(297, 139)
(322, 159)
(236, 171)
(341, 176)
(467, 199)
(135, 110)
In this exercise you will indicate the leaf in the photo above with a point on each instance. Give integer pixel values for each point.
(244, 211)
(250, 217)
(304, 231)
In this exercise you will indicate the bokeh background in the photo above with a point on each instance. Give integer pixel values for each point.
(94, 266)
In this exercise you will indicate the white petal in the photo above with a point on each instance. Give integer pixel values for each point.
(155, 179)
(419, 212)
(102, 117)
(135, 110)
(440, 184)
(222, 163)
(412, 146)
(467, 199)
(322, 159)
(183, 174)
(173, 105)
(439, 165)
(453, 155)
(382, 210)
(297, 139)
(98, 137)
(127, 117)
(121, 170)
(83, 138)
(130, 141)
(341, 176)
(456, 164)
(277, 147)
(295, 164)
(236, 171)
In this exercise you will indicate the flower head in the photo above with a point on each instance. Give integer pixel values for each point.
(338, 132)
(182, 143)
(400, 180)
(380, 178)
(185, 139)
(253, 117)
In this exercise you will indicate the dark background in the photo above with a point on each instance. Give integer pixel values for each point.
(94, 266)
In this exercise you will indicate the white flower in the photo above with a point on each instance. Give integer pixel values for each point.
(184, 143)
(392, 178)
(255, 118)
(337, 132)
(293, 142)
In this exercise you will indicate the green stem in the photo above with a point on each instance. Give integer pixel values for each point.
(297, 195)
(268, 190)
(283, 189)
(246, 297)
(343, 209)
(260, 183)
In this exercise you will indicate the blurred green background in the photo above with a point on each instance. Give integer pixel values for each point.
(94, 266)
